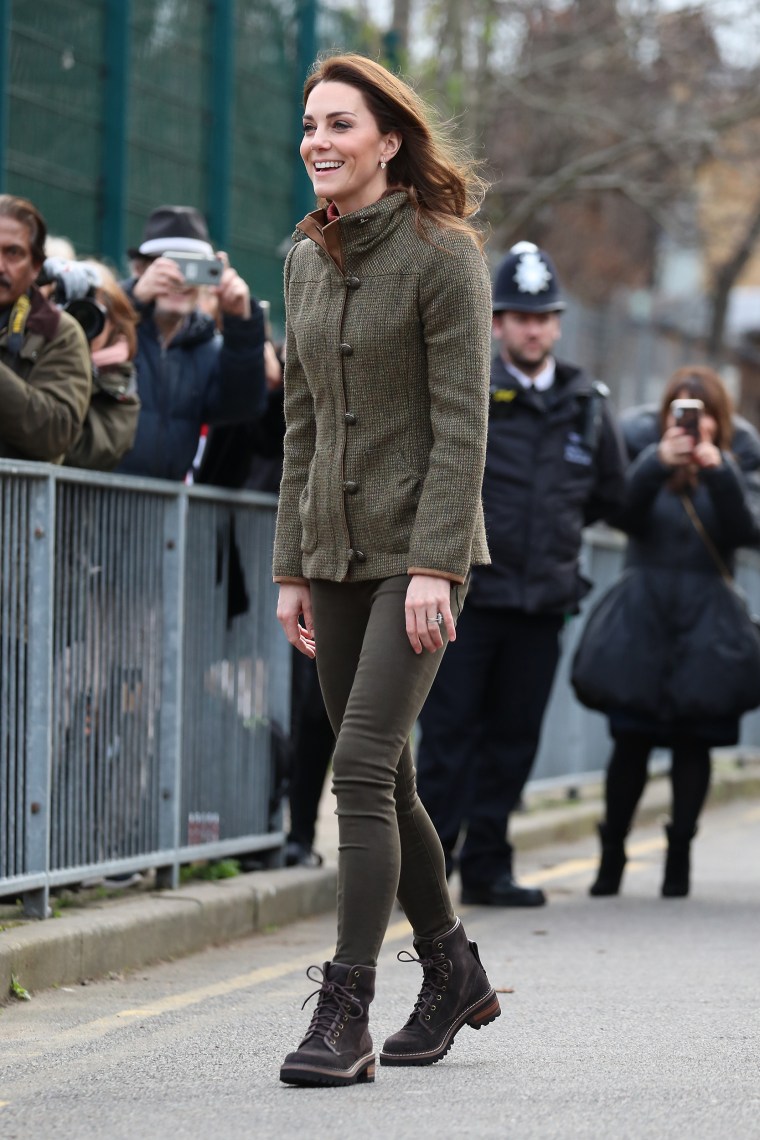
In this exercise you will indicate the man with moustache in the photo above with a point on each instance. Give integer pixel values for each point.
(554, 464)
(191, 369)
(45, 373)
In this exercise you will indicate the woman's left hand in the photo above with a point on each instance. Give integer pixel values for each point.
(426, 597)
(706, 454)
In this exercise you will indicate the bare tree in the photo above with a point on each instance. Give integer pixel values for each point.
(596, 120)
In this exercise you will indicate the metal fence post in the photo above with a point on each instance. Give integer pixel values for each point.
(306, 30)
(222, 84)
(5, 72)
(170, 735)
(37, 687)
(114, 172)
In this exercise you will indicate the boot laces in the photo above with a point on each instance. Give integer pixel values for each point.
(334, 1003)
(435, 976)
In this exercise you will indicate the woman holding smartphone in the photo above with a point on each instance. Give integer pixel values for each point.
(386, 394)
(670, 653)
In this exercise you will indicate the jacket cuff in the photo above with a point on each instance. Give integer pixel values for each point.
(244, 330)
(437, 574)
(282, 580)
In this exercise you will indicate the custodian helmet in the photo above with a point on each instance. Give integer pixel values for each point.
(526, 282)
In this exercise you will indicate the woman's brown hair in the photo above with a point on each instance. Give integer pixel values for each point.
(439, 178)
(118, 307)
(698, 382)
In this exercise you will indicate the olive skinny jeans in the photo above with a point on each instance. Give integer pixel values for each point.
(374, 686)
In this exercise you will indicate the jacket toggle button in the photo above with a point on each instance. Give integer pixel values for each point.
(350, 486)
(346, 349)
(353, 282)
(351, 419)
(360, 556)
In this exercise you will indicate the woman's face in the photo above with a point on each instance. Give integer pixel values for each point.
(342, 147)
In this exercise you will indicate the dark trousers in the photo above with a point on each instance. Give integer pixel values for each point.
(374, 686)
(312, 743)
(627, 777)
(481, 726)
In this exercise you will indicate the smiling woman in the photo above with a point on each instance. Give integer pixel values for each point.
(386, 393)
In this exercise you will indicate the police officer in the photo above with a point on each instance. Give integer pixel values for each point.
(554, 464)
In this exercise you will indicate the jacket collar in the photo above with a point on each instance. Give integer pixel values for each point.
(43, 318)
(359, 231)
(569, 380)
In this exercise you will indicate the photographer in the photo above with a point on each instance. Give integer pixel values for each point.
(92, 295)
(188, 373)
(669, 652)
(45, 376)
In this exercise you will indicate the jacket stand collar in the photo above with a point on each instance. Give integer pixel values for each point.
(360, 231)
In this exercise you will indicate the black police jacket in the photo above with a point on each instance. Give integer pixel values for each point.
(555, 463)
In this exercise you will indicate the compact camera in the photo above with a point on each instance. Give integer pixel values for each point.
(687, 414)
(196, 268)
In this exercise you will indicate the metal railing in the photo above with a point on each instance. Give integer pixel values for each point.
(144, 680)
(145, 683)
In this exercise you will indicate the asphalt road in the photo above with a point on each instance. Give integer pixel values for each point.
(633, 1017)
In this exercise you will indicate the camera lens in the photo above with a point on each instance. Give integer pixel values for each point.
(90, 315)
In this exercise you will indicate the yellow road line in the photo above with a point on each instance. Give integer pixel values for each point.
(4, 1103)
(397, 932)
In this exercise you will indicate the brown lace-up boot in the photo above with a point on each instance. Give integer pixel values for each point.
(455, 992)
(337, 1048)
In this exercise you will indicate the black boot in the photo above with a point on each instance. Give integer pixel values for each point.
(612, 864)
(337, 1048)
(455, 992)
(675, 885)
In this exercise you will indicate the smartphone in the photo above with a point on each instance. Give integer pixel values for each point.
(197, 269)
(687, 414)
(266, 309)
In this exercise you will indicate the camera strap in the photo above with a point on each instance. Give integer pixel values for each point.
(17, 324)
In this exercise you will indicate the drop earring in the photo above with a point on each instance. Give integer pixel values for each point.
(383, 164)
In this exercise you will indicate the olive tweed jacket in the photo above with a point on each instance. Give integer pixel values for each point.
(386, 399)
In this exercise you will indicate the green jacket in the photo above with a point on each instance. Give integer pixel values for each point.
(110, 425)
(45, 386)
(386, 399)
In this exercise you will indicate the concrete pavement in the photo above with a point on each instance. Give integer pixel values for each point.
(630, 1018)
(101, 936)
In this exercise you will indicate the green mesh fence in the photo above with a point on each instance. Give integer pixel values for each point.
(63, 120)
(55, 125)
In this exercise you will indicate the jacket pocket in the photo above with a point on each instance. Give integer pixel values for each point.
(389, 505)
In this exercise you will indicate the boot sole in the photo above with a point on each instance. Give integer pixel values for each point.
(313, 1076)
(482, 1013)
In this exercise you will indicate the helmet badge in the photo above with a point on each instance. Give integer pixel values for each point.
(532, 275)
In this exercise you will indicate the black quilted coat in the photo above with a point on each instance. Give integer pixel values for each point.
(669, 649)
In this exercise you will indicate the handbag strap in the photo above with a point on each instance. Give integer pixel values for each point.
(688, 506)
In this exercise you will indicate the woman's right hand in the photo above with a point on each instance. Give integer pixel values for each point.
(676, 448)
(295, 600)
